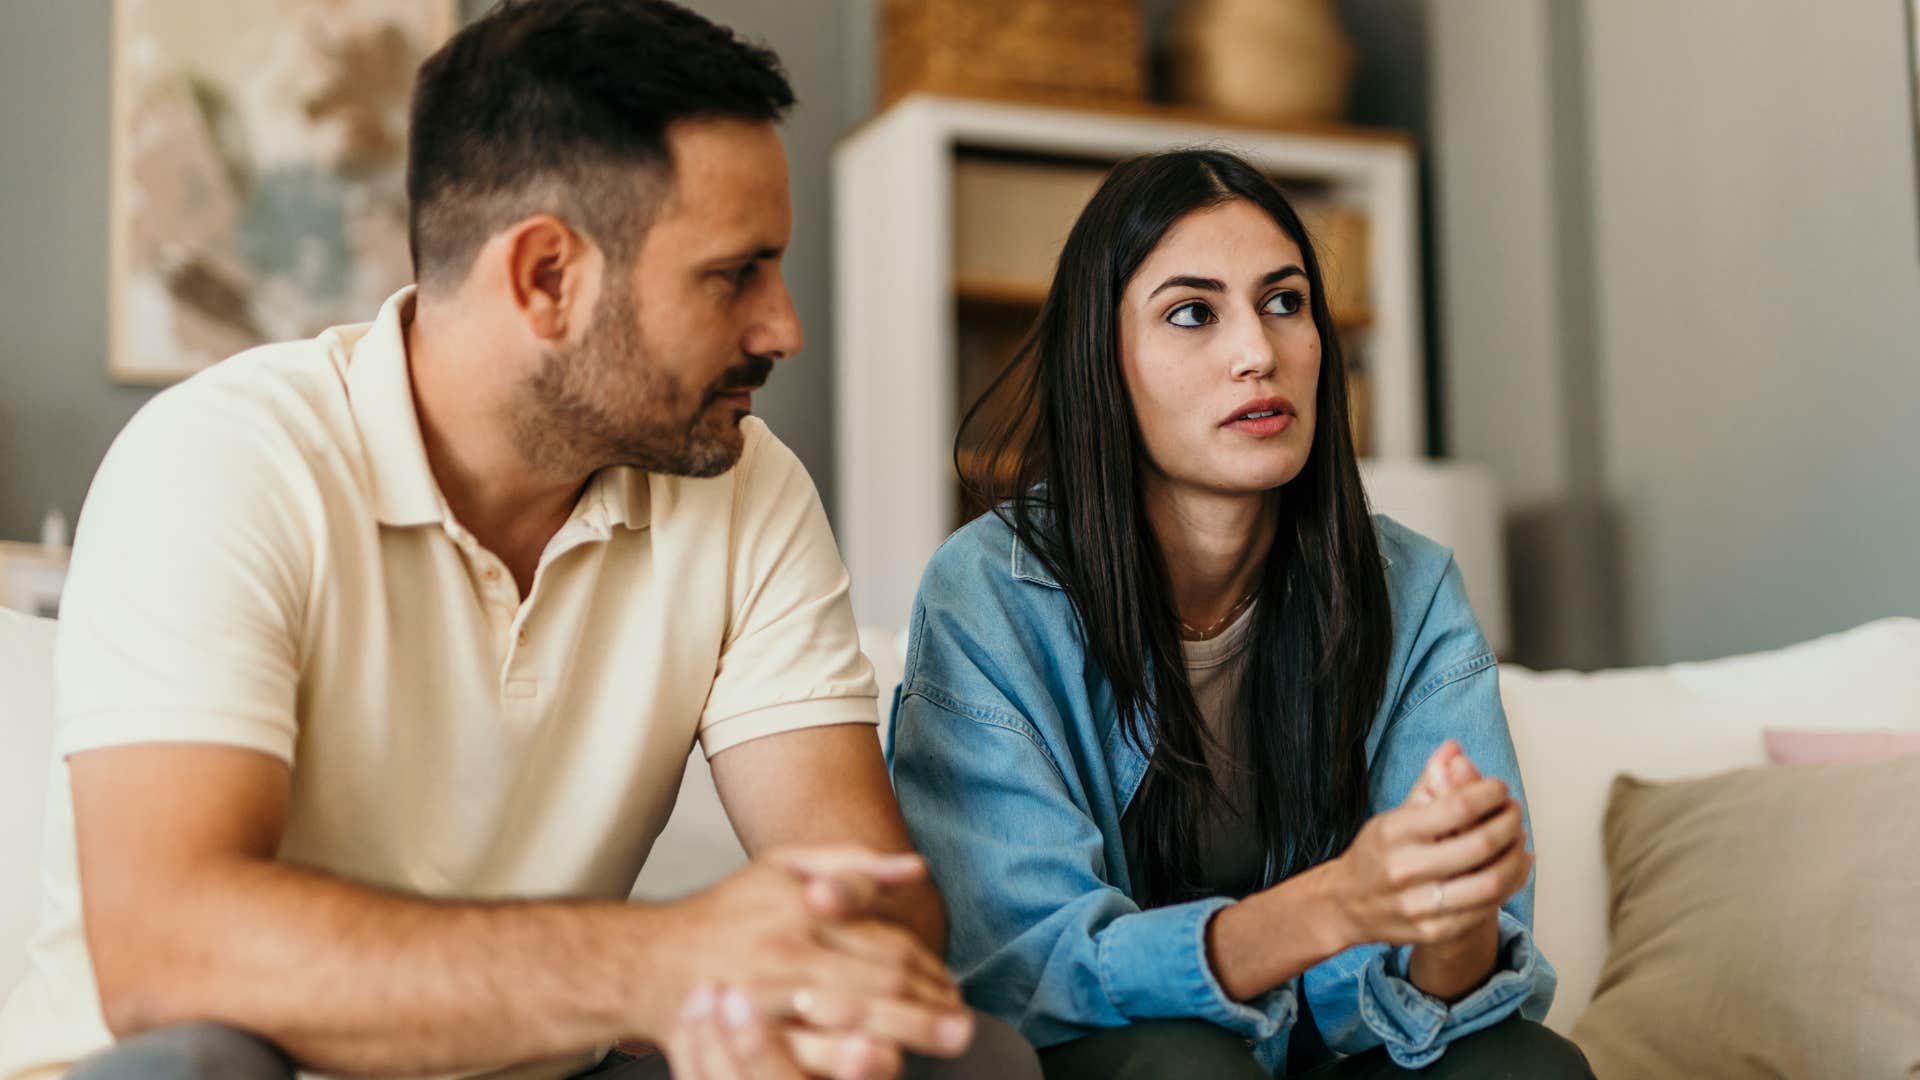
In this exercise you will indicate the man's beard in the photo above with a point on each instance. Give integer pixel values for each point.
(607, 401)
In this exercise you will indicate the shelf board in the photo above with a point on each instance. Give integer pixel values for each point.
(1165, 113)
(1030, 295)
(1000, 292)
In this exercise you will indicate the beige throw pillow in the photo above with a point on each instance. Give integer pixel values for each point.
(1765, 923)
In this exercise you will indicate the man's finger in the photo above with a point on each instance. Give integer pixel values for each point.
(703, 1039)
(846, 860)
(887, 943)
(829, 969)
(943, 1032)
(681, 1058)
(842, 1056)
(840, 896)
(757, 1054)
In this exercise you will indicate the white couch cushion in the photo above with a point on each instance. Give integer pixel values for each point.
(1575, 732)
(26, 738)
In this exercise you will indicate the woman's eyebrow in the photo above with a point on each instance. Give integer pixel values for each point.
(1207, 284)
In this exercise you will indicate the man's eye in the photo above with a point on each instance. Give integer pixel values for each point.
(744, 276)
(1191, 314)
(1286, 302)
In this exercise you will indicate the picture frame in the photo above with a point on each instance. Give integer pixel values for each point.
(258, 164)
(32, 577)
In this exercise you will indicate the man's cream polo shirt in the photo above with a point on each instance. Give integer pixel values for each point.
(265, 561)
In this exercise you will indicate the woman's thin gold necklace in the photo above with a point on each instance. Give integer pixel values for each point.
(1195, 634)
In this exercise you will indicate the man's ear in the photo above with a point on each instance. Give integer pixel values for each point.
(552, 275)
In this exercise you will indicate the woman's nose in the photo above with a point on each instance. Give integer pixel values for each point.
(1255, 358)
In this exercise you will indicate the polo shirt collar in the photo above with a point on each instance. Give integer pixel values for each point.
(380, 392)
(624, 496)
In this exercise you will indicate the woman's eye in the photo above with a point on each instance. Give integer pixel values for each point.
(1190, 314)
(1287, 302)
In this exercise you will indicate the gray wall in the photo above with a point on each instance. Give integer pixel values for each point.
(1681, 270)
(1759, 316)
(59, 411)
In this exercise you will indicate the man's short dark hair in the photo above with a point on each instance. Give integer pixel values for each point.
(562, 107)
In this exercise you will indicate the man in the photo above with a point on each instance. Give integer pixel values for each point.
(384, 652)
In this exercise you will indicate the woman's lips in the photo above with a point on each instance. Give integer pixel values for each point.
(1264, 427)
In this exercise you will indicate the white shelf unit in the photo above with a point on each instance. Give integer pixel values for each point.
(895, 300)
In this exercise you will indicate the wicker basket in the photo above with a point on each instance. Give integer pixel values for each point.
(1269, 61)
(1050, 50)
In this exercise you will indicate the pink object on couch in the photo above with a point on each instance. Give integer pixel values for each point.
(1812, 747)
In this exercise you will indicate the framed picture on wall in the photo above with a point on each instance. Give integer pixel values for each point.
(258, 171)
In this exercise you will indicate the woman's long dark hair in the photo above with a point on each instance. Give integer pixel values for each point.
(1056, 450)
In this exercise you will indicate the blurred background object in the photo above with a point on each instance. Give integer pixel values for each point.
(1051, 50)
(1458, 506)
(1271, 61)
(32, 576)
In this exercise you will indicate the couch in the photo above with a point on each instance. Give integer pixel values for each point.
(1574, 732)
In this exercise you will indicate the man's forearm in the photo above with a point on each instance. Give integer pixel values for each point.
(349, 979)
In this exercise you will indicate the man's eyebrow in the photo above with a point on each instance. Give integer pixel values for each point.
(747, 255)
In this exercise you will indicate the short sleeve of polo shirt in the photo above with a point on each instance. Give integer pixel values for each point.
(790, 658)
(180, 618)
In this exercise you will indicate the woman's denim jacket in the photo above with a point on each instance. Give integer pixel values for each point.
(1013, 773)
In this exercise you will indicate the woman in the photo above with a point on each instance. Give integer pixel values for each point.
(1209, 765)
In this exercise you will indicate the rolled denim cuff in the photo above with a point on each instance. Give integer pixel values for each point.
(1416, 1027)
(1153, 965)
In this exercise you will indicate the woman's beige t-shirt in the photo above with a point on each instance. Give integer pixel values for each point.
(1232, 860)
(265, 561)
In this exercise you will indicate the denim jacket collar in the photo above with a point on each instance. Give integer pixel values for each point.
(1029, 567)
